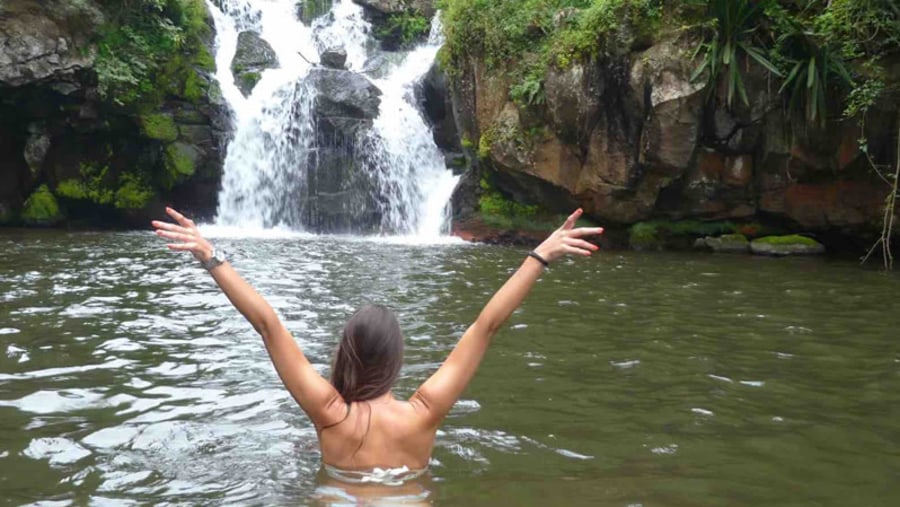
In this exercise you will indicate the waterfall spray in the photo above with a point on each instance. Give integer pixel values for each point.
(274, 151)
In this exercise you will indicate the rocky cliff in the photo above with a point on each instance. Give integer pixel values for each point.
(631, 136)
(103, 120)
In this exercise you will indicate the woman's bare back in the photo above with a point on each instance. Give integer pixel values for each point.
(383, 432)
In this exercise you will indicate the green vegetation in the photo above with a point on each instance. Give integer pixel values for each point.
(501, 212)
(820, 52)
(525, 38)
(404, 28)
(41, 208)
(133, 194)
(98, 186)
(159, 126)
(654, 235)
(733, 36)
(309, 10)
(94, 186)
(179, 163)
(249, 79)
(150, 48)
(792, 239)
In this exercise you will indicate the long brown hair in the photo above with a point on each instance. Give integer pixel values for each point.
(369, 356)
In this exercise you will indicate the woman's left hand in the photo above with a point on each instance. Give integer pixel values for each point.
(186, 235)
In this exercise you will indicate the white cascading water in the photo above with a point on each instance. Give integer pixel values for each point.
(265, 169)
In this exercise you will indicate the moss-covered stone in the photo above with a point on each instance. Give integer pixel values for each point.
(133, 194)
(247, 81)
(159, 126)
(41, 208)
(793, 244)
(181, 162)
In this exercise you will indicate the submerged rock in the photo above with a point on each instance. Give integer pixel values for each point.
(786, 245)
(253, 56)
(727, 243)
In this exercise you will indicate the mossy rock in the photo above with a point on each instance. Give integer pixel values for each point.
(41, 208)
(309, 10)
(159, 126)
(645, 236)
(181, 162)
(793, 244)
(246, 81)
(728, 243)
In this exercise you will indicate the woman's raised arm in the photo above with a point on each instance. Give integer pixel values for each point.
(318, 398)
(437, 395)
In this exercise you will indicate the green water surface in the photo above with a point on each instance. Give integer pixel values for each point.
(626, 379)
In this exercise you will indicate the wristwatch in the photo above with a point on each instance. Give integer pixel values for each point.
(217, 258)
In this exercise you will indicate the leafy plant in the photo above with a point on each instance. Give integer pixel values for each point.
(406, 27)
(733, 37)
(815, 67)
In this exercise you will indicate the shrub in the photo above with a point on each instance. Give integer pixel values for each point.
(41, 208)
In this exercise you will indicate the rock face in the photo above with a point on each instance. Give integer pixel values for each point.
(342, 196)
(424, 7)
(253, 55)
(68, 153)
(632, 138)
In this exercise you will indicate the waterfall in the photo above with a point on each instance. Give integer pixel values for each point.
(273, 168)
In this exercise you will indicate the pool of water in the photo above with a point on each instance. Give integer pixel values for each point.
(626, 379)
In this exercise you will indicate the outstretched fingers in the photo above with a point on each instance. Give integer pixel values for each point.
(582, 244)
(178, 236)
(170, 227)
(586, 231)
(181, 219)
(570, 222)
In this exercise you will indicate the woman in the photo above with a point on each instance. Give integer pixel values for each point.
(367, 435)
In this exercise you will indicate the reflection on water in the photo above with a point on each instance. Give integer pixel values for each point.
(626, 379)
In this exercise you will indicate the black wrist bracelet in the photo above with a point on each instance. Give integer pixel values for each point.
(540, 259)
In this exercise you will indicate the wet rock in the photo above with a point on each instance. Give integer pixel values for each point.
(344, 94)
(253, 55)
(675, 105)
(37, 43)
(341, 196)
(309, 10)
(786, 245)
(433, 94)
(424, 7)
(727, 243)
(334, 57)
(573, 101)
(36, 147)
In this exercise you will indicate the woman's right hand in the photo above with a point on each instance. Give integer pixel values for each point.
(568, 240)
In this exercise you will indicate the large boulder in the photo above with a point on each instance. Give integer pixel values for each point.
(253, 55)
(342, 94)
(341, 195)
